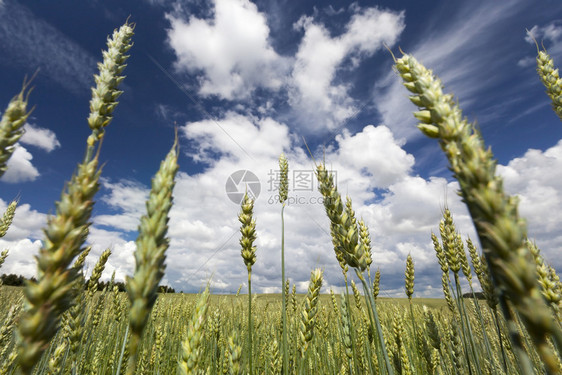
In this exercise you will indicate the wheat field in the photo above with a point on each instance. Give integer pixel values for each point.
(60, 323)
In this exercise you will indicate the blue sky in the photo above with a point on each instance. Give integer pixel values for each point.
(244, 81)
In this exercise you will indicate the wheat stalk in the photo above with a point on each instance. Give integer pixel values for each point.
(283, 194)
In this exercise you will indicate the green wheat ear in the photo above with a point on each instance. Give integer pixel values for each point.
(409, 273)
(11, 126)
(501, 231)
(192, 344)
(8, 217)
(550, 78)
(151, 244)
(53, 292)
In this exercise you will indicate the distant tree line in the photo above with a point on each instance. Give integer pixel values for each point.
(479, 295)
(19, 280)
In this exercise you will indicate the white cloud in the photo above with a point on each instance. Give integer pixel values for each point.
(20, 168)
(365, 151)
(20, 260)
(26, 223)
(313, 93)
(40, 137)
(22, 239)
(536, 178)
(551, 33)
(126, 196)
(233, 56)
(401, 210)
(121, 261)
(526, 62)
(237, 136)
(232, 50)
(204, 230)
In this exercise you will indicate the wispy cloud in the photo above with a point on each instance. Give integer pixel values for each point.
(31, 43)
(462, 52)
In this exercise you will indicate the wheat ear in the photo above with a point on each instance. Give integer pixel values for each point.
(3, 256)
(105, 94)
(191, 346)
(52, 293)
(502, 233)
(92, 286)
(248, 252)
(11, 126)
(334, 209)
(150, 253)
(7, 218)
(308, 315)
(551, 80)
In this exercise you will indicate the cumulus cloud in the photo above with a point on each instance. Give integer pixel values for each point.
(313, 91)
(129, 197)
(366, 149)
(27, 222)
(40, 137)
(232, 55)
(22, 239)
(204, 230)
(536, 177)
(231, 51)
(122, 260)
(237, 136)
(20, 168)
(401, 210)
(20, 259)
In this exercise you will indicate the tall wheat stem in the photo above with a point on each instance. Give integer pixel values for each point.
(248, 252)
(283, 192)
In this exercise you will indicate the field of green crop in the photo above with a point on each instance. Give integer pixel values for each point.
(92, 342)
(61, 324)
